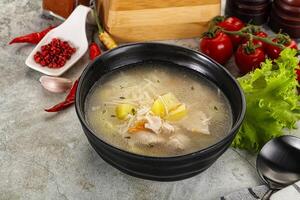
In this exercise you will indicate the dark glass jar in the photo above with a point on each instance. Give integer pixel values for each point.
(254, 11)
(285, 17)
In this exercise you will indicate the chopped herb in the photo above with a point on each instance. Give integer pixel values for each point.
(103, 111)
(192, 88)
(113, 115)
(122, 97)
(133, 111)
(158, 81)
(215, 107)
(151, 145)
(121, 87)
(127, 137)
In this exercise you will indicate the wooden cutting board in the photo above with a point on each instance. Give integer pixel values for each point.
(144, 20)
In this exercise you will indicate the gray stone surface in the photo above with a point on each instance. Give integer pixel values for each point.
(46, 156)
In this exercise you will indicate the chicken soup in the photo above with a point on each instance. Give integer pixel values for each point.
(157, 109)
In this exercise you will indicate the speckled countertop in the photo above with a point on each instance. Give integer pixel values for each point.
(47, 156)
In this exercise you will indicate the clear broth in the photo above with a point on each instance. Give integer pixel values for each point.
(151, 79)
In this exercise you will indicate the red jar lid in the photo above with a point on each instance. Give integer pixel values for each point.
(287, 8)
(292, 2)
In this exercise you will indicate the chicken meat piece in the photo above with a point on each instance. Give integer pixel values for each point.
(144, 138)
(167, 128)
(196, 122)
(178, 142)
(153, 123)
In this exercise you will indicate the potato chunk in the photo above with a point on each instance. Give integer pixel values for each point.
(123, 110)
(177, 114)
(158, 108)
(170, 101)
(164, 104)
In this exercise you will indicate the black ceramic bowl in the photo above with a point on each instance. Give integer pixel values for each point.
(160, 168)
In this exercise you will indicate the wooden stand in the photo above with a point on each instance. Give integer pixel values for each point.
(143, 20)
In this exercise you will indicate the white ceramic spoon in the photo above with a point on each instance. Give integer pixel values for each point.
(73, 31)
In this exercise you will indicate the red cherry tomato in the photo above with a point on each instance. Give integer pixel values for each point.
(218, 47)
(273, 51)
(258, 42)
(298, 75)
(233, 24)
(247, 62)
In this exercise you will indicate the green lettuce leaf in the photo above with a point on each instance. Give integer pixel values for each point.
(272, 101)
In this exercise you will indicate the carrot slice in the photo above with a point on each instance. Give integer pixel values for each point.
(138, 126)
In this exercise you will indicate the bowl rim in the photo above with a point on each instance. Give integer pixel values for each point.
(231, 133)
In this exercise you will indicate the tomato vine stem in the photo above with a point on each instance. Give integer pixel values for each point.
(248, 35)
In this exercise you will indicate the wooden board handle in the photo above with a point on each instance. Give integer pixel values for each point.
(161, 16)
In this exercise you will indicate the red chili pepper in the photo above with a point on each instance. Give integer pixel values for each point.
(94, 50)
(32, 38)
(60, 106)
(70, 99)
(72, 92)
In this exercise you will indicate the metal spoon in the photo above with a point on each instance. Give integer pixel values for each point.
(278, 163)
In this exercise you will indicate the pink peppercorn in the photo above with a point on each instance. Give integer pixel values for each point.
(55, 54)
